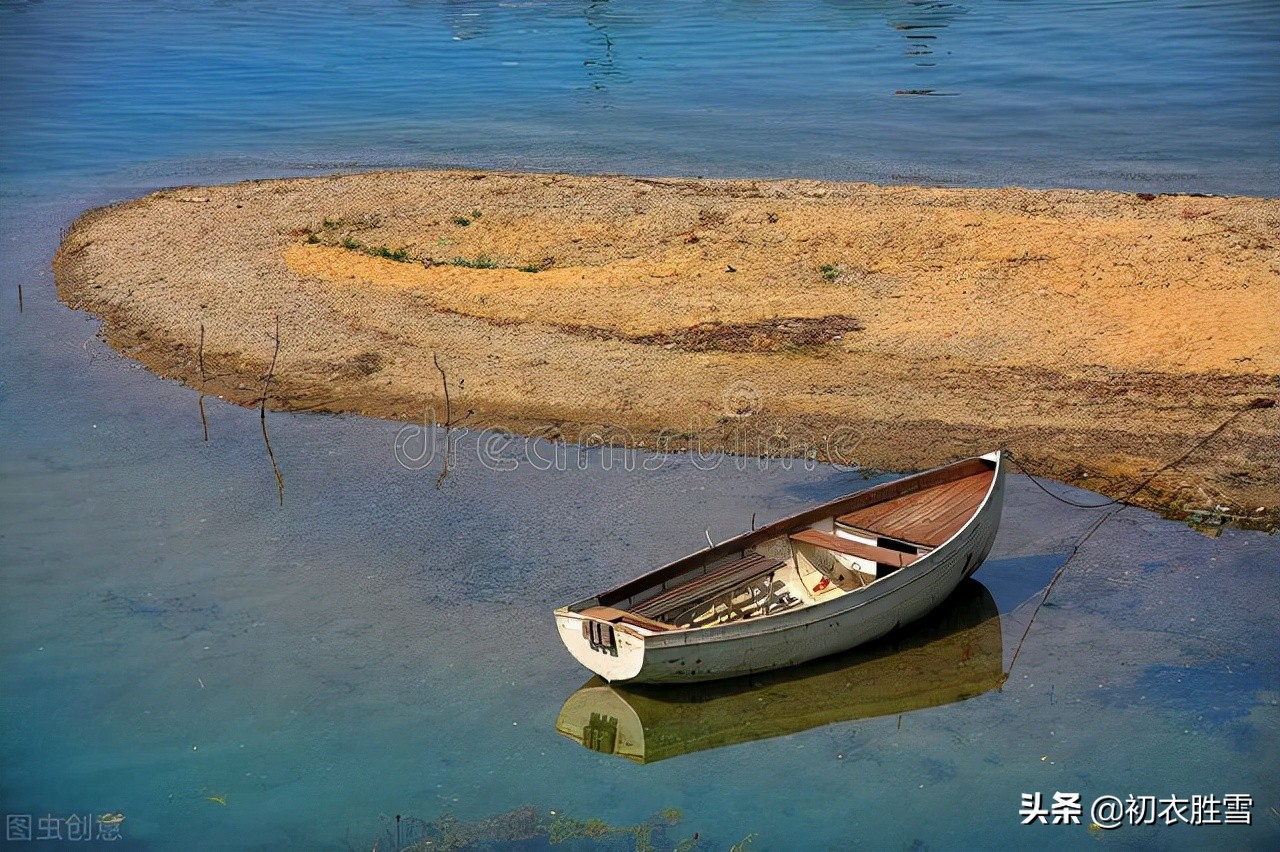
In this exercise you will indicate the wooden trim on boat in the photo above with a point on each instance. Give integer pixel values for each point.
(613, 616)
(850, 547)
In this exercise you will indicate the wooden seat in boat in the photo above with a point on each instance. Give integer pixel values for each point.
(614, 616)
(850, 547)
(927, 517)
(715, 582)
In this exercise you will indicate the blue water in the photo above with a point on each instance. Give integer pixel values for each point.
(231, 674)
(1121, 95)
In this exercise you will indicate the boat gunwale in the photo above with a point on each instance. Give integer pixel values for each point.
(854, 599)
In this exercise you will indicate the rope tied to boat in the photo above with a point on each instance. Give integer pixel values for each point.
(1119, 504)
(1254, 405)
(1102, 519)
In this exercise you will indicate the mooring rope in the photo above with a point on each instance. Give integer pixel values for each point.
(1256, 404)
(1119, 503)
(1056, 574)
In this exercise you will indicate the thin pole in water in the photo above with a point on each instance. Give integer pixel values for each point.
(204, 421)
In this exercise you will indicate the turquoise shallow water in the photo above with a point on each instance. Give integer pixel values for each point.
(170, 636)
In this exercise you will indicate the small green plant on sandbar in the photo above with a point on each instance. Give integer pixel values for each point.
(350, 243)
(832, 271)
(399, 255)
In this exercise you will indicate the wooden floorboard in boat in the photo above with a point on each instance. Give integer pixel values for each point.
(926, 517)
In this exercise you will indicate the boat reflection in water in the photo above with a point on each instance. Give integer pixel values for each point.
(951, 655)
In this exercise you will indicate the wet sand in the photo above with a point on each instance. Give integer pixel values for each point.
(1097, 335)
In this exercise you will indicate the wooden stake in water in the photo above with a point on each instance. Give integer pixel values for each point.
(262, 413)
(448, 422)
(204, 421)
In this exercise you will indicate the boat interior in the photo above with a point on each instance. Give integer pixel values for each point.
(857, 542)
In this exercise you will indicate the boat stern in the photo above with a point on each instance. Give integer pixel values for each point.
(613, 651)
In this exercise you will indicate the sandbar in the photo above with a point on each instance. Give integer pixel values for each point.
(1097, 335)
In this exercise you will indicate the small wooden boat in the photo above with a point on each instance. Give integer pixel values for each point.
(821, 581)
(952, 654)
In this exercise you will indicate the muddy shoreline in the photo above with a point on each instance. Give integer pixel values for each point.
(1097, 335)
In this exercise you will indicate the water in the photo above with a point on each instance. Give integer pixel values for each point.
(234, 675)
(1122, 95)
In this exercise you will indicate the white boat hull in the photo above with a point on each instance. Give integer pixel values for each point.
(797, 635)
